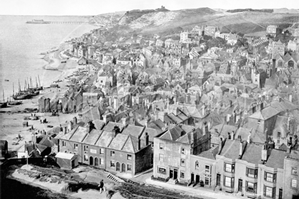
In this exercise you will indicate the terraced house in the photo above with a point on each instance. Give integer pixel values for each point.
(116, 147)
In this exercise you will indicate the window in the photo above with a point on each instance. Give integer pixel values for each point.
(182, 162)
(294, 170)
(294, 183)
(75, 146)
(63, 143)
(128, 167)
(162, 170)
(161, 157)
(101, 151)
(251, 187)
(207, 169)
(181, 174)
(268, 191)
(112, 153)
(85, 157)
(228, 182)
(85, 148)
(229, 167)
(128, 157)
(161, 146)
(112, 164)
(270, 177)
(207, 181)
(252, 173)
(197, 165)
(101, 162)
(182, 151)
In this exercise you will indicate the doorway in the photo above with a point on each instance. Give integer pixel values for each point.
(197, 178)
(91, 160)
(123, 167)
(117, 166)
(175, 174)
(240, 186)
(218, 179)
(280, 194)
(171, 174)
(192, 177)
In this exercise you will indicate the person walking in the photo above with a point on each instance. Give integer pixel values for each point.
(101, 186)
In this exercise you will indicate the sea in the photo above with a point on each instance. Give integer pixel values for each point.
(21, 45)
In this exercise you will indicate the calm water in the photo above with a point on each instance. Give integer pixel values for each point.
(21, 45)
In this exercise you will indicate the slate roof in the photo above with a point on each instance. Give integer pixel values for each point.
(253, 153)
(283, 106)
(135, 131)
(92, 137)
(118, 142)
(99, 124)
(243, 132)
(231, 149)
(68, 135)
(173, 134)
(210, 154)
(105, 139)
(79, 134)
(151, 132)
(110, 126)
(276, 159)
(130, 144)
(265, 114)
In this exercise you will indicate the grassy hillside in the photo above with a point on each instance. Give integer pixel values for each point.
(170, 22)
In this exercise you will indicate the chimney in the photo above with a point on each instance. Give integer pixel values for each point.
(65, 130)
(34, 139)
(229, 136)
(249, 139)
(232, 135)
(147, 139)
(74, 121)
(289, 148)
(203, 110)
(288, 123)
(264, 153)
(70, 126)
(115, 103)
(241, 150)
(89, 126)
(124, 121)
(110, 101)
(291, 98)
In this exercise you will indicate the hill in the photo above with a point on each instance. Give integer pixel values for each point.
(166, 22)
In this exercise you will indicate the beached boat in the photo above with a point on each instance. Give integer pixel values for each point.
(13, 103)
(3, 104)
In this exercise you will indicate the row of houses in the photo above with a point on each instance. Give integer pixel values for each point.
(234, 165)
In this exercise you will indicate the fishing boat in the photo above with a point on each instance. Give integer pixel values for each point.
(13, 103)
(21, 95)
(3, 104)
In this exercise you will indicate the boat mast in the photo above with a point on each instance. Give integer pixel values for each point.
(25, 85)
(19, 85)
(39, 80)
(30, 83)
(36, 83)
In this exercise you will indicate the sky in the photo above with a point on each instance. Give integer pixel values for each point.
(94, 7)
